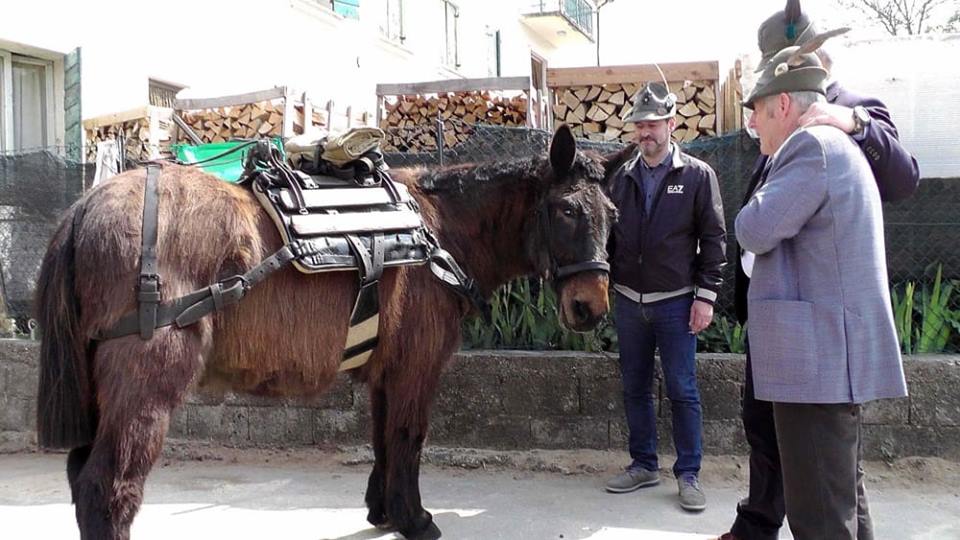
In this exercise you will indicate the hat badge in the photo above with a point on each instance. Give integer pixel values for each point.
(781, 69)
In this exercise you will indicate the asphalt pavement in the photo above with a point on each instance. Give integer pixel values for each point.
(320, 496)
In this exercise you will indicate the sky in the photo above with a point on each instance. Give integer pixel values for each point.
(643, 31)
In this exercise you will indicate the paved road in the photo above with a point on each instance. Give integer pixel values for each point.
(314, 499)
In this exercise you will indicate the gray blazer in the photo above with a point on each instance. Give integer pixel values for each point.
(821, 325)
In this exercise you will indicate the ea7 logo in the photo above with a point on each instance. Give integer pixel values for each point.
(675, 190)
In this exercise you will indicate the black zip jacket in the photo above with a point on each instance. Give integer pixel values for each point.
(681, 243)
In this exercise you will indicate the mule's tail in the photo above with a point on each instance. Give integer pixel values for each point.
(66, 412)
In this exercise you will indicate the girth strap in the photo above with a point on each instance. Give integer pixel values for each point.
(148, 284)
(446, 269)
(363, 332)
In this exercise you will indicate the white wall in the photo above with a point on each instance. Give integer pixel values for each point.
(221, 47)
(916, 77)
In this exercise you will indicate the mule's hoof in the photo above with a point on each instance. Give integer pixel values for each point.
(430, 532)
(380, 521)
(385, 526)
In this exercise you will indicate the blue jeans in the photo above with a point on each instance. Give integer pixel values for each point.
(642, 328)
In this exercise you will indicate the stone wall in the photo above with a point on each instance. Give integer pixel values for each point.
(517, 400)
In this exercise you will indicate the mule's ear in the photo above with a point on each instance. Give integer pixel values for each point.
(612, 162)
(563, 151)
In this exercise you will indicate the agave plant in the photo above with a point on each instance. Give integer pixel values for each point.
(937, 316)
(903, 315)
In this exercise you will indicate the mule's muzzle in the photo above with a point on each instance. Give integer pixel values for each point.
(584, 300)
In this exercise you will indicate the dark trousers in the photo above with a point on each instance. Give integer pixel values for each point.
(642, 328)
(822, 478)
(760, 515)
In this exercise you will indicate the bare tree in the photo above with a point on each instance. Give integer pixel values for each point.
(896, 16)
(952, 24)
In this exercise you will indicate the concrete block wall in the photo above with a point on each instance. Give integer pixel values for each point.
(517, 400)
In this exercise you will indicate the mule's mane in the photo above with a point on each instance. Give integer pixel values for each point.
(466, 178)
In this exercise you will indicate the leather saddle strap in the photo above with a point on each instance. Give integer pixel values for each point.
(447, 270)
(289, 178)
(362, 336)
(369, 263)
(192, 307)
(148, 285)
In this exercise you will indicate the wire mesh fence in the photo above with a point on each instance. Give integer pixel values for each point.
(35, 188)
(922, 240)
(922, 237)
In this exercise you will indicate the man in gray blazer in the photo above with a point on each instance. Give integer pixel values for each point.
(821, 332)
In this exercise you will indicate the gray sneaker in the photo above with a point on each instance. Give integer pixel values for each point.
(692, 498)
(632, 479)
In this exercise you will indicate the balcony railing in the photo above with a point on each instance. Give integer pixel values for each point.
(579, 13)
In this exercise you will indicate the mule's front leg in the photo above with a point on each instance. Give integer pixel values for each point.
(377, 515)
(406, 429)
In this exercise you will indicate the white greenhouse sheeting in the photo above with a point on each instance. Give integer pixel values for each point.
(918, 78)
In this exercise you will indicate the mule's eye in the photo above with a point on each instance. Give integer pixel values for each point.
(569, 212)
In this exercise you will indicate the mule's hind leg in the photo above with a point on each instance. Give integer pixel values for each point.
(76, 460)
(374, 498)
(138, 385)
(408, 398)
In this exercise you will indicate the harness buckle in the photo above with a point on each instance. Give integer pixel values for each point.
(148, 289)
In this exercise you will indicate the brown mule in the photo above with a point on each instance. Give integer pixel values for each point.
(110, 401)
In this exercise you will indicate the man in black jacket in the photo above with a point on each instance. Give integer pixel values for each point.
(867, 120)
(667, 253)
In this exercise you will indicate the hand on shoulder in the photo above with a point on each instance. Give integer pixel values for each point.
(829, 114)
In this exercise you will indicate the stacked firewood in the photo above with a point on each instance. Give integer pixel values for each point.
(136, 136)
(410, 121)
(252, 120)
(598, 112)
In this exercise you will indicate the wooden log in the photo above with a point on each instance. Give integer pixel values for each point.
(689, 109)
(560, 110)
(596, 114)
(591, 127)
(615, 122)
(681, 97)
(707, 97)
(579, 114)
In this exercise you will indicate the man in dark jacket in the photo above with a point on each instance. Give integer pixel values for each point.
(667, 253)
(760, 515)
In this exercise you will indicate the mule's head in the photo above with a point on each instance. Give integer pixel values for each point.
(574, 219)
